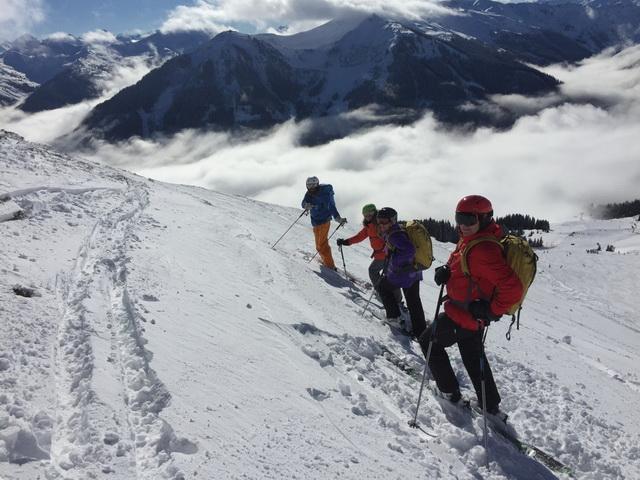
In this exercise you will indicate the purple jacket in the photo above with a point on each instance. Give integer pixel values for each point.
(400, 271)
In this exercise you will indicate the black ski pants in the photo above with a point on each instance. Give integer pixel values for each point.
(469, 343)
(376, 271)
(414, 304)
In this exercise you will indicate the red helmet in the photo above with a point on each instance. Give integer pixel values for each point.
(475, 204)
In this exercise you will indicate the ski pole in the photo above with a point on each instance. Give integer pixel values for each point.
(483, 336)
(290, 227)
(366, 307)
(414, 423)
(375, 287)
(344, 265)
(336, 229)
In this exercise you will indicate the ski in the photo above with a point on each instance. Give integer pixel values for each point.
(364, 285)
(376, 310)
(523, 447)
(361, 300)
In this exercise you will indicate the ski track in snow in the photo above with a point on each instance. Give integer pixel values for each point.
(99, 331)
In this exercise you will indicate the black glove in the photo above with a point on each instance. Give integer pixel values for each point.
(442, 274)
(481, 310)
(342, 241)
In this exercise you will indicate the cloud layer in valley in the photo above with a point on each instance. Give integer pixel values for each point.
(552, 163)
(570, 149)
(49, 125)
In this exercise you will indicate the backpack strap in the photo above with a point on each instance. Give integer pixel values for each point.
(463, 255)
(465, 265)
(515, 320)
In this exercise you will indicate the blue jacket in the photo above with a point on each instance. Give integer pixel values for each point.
(401, 252)
(324, 206)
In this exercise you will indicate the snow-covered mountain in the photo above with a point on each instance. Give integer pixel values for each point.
(150, 331)
(41, 60)
(401, 67)
(72, 69)
(547, 33)
(80, 80)
(14, 86)
(242, 80)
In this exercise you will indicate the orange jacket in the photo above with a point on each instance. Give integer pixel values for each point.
(491, 278)
(370, 230)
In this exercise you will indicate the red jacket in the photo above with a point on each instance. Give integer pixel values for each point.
(491, 278)
(370, 230)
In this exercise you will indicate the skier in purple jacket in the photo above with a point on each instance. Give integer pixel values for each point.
(400, 272)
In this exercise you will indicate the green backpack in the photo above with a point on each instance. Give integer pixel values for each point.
(522, 260)
(420, 238)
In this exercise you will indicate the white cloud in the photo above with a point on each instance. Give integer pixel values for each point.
(128, 71)
(297, 15)
(47, 126)
(611, 76)
(60, 37)
(44, 127)
(98, 37)
(19, 16)
(551, 164)
(202, 16)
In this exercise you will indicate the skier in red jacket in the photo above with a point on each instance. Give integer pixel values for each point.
(370, 231)
(471, 302)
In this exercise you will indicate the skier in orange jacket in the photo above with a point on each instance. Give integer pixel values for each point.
(370, 231)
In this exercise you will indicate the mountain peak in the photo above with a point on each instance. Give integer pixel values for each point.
(319, 37)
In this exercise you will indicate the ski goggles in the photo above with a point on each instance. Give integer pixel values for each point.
(466, 219)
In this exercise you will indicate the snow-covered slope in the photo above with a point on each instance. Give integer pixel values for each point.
(14, 86)
(165, 338)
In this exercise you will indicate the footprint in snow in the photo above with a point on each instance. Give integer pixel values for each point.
(318, 394)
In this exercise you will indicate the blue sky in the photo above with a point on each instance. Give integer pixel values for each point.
(43, 17)
(79, 16)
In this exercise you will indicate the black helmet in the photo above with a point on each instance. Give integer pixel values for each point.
(389, 213)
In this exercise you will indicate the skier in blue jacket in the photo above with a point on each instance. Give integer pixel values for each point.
(319, 201)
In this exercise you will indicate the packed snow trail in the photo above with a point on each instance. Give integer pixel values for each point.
(102, 427)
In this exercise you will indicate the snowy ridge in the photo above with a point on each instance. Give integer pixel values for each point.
(14, 85)
(167, 339)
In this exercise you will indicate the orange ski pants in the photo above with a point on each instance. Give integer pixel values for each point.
(321, 232)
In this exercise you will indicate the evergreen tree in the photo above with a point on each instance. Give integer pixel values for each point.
(517, 222)
(616, 210)
(535, 242)
(441, 230)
